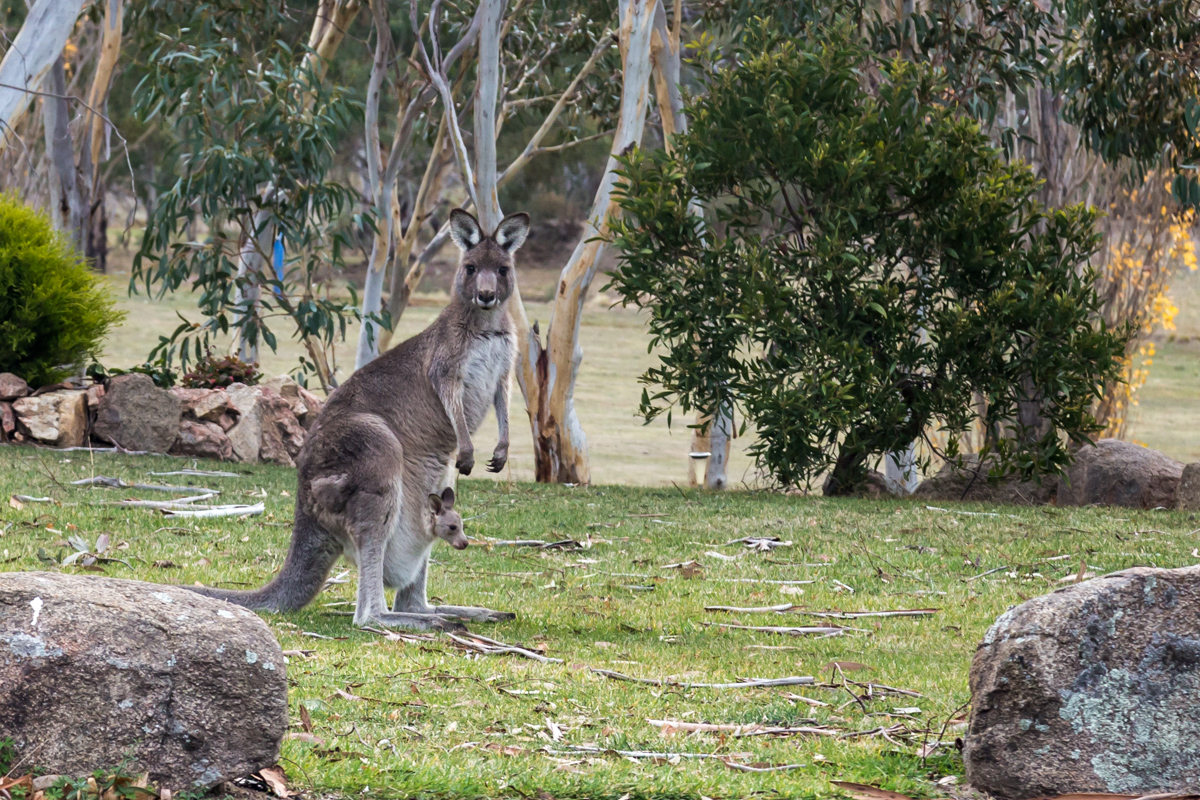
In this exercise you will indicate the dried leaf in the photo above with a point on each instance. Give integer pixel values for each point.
(8, 783)
(303, 736)
(277, 780)
(165, 565)
(102, 543)
(845, 666)
(306, 720)
(860, 791)
(15, 503)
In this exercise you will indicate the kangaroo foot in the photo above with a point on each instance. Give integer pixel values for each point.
(420, 622)
(474, 614)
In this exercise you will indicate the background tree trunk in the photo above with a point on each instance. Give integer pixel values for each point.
(548, 373)
(36, 48)
(67, 209)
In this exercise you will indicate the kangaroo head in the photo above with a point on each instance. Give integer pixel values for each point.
(485, 276)
(447, 523)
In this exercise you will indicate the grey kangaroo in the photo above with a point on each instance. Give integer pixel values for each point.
(383, 444)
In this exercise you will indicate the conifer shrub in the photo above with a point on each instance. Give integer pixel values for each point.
(54, 312)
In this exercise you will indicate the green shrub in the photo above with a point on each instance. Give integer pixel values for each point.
(54, 312)
(867, 266)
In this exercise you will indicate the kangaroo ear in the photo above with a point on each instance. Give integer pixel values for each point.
(464, 229)
(511, 233)
(448, 497)
(435, 501)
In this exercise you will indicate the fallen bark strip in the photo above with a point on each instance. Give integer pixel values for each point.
(24, 498)
(738, 730)
(785, 608)
(492, 647)
(575, 748)
(751, 768)
(752, 683)
(184, 502)
(870, 687)
(220, 511)
(197, 473)
(562, 544)
(801, 630)
(117, 483)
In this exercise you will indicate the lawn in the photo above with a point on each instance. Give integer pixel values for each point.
(405, 718)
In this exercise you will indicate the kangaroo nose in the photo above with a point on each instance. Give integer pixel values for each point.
(486, 298)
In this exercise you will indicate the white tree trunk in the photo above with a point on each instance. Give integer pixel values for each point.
(257, 243)
(487, 89)
(548, 374)
(32, 53)
(67, 206)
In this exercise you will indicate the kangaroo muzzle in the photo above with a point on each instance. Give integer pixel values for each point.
(485, 290)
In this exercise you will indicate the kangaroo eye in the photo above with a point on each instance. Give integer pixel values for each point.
(453, 527)
(470, 269)
(503, 272)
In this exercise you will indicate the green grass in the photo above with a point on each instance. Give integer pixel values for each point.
(437, 721)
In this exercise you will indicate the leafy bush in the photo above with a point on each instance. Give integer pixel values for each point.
(164, 376)
(212, 372)
(54, 312)
(866, 266)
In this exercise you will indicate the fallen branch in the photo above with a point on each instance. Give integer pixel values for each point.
(198, 473)
(575, 748)
(219, 511)
(117, 483)
(24, 498)
(803, 630)
(761, 543)
(491, 647)
(982, 574)
(753, 683)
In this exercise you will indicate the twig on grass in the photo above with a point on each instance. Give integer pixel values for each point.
(198, 473)
(750, 768)
(801, 630)
(181, 502)
(117, 483)
(218, 511)
(491, 647)
(751, 683)
(983, 574)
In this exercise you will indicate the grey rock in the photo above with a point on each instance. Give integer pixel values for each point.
(56, 418)
(137, 415)
(8, 421)
(12, 387)
(1117, 473)
(971, 483)
(1187, 494)
(94, 670)
(1093, 688)
(202, 440)
(305, 405)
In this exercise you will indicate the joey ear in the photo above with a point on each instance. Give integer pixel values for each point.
(435, 502)
(464, 229)
(448, 497)
(511, 232)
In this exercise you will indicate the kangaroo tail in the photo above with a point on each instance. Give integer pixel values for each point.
(312, 553)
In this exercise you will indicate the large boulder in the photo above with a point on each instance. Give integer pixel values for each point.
(56, 418)
(137, 415)
(1116, 473)
(12, 387)
(1094, 688)
(1187, 494)
(971, 483)
(202, 440)
(97, 670)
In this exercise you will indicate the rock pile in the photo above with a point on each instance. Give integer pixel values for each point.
(267, 422)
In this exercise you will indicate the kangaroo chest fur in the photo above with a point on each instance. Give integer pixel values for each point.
(485, 368)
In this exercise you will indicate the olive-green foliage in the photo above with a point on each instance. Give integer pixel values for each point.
(868, 264)
(54, 312)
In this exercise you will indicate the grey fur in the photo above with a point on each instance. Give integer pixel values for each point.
(380, 449)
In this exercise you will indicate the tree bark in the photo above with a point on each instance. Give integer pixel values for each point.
(96, 131)
(548, 373)
(67, 206)
(36, 48)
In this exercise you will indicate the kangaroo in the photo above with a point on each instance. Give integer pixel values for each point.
(384, 442)
(447, 524)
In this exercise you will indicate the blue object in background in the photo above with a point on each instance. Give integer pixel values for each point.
(277, 259)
